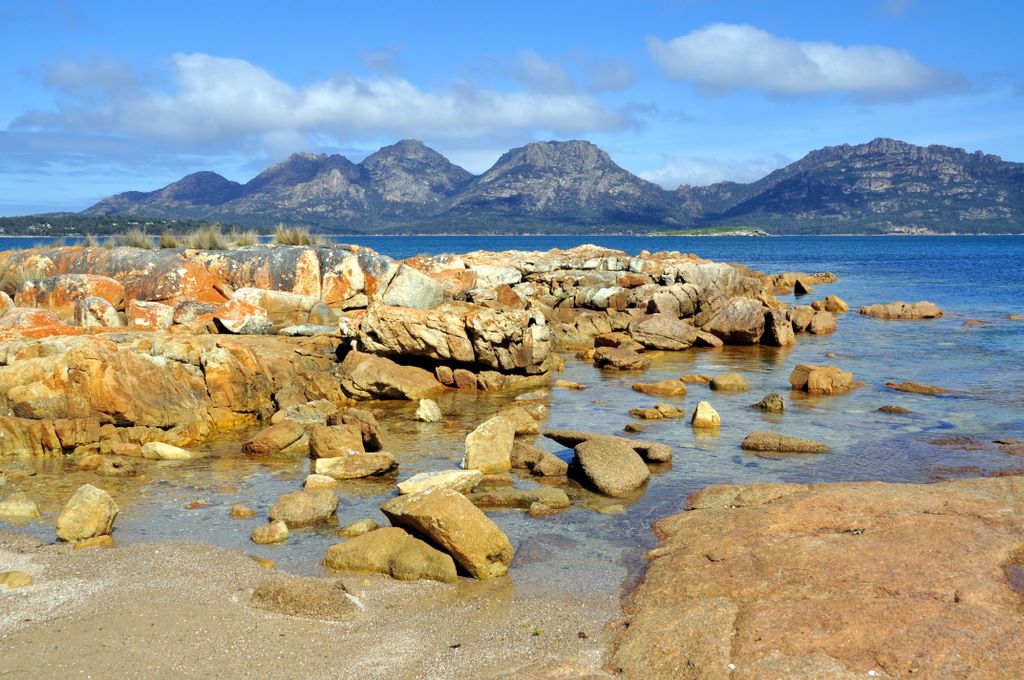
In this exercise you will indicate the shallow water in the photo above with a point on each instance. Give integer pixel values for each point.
(588, 547)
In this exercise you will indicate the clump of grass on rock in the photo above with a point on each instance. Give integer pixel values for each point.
(294, 236)
(136, 238)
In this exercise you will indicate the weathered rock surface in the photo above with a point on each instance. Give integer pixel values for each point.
(771, 403)
(90, 512)
(773, 442)
(662, 331)
(665, 388)
(329, 441)
(611, 466)
(649, 451)
(903, 310)
(394, 552)
(275, 438)
(917, 388)
(18, 507)
(305, 508)
(510, 497)
(824, 380)
(311, 598)
(782, 581)
(448, 520)
(429, 411)
(95, 312)
(162, 451)
(60, 293)
(275, 531)
(831, 303)
(739, 322)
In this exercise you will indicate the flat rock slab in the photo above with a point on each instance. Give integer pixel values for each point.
(305, 508)
(462, 481)
(917, 388)
(773, 442)
(450, 522)
(510, 497)
(651, 452)
(355, 466)
(815, 581)
(903, 310)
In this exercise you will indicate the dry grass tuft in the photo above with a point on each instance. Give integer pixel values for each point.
(294, 236)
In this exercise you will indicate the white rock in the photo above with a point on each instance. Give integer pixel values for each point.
(161, 451)
(705, 416)
(429, 411)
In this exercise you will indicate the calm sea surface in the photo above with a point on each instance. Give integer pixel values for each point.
(980, 278)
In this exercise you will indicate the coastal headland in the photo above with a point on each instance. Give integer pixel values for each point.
(126, 371)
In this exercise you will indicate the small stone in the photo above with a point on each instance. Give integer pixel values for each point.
(315, 481)
(773, 442)
(669, 411)
(240, 511)
(729, 382)
(356, 465)
(896, 410)
(9, 580)
(646, 413)
(699, 379)
(771, 403)
(569, 385)
(195, 505)
(635, 427)
(104, 541)
(429, 411)
(305, 508)
(705, 416)
(821, 380)
(538, 509)
(91, 462)
(357, 528)
(274, 532)
(917, 388)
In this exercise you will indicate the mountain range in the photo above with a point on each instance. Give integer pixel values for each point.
(883, 186)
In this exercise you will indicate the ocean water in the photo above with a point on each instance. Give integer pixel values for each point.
(971, 278)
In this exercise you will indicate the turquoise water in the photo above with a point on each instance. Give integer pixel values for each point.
(979, 278)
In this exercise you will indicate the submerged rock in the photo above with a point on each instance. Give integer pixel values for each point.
(903, 310)
(311, 598)
(18, 507)
(729, 382)
(779, 443)
(620, 359)
(509, 497)
(273, 532)
(665, 388)
(771, 403)
(917, 388)
(429, 411)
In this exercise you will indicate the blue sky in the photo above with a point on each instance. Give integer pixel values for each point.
(109, 96)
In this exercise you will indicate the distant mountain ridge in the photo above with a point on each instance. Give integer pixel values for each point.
(574, 186)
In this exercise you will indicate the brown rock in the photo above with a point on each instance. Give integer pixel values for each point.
(394, 552)
(825, 380)
(662, 331)
(778, 329)
(488, 448)
(620, 359)
(569, 385)
(822, 323)
(696, 379)
(819, 581)
(771, 403)
(831, 303)
(367, 424)
(739, 322)
(729, 382)
(328, 441)
(240, 511)
(521, 419)
(149, 316)
(304, 508)
(311, 598)
(90, 512)
(95, 312)
(772, 442)
(275, 438)
(357, 528)
(511, 497)
(266, 534)
(451, 522)
(896, 410)
(665, 388)
(646, 413)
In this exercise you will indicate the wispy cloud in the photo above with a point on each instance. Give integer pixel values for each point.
(723, 58)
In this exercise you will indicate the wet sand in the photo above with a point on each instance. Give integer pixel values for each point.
(182, 609)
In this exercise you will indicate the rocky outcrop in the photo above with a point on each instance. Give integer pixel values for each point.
(903, 310)
(814, 581)
(366, 376)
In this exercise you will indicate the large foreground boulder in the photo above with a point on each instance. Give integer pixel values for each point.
(819, 581)
(448, 520)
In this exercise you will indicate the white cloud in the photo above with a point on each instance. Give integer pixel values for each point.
(697, 171)
(210, 99)
(722, 58)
